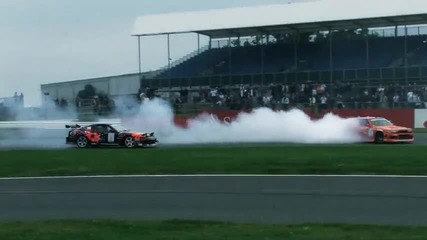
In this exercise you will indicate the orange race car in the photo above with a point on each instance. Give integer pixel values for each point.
(381, 130)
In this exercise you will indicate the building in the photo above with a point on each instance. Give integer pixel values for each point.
(113, 86)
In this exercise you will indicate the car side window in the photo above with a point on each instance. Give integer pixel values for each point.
(100, 129)
(104, 129)
(110, 129)
(363, 122)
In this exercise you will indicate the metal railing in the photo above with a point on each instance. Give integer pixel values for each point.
(181, 60)
(373, 76)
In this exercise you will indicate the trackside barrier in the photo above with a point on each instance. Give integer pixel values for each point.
(420, 118)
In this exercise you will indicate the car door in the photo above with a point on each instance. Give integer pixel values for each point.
(102, 130)
(111, 137)
(365, 129)
(369, 131)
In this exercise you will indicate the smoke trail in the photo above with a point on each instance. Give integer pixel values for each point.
(261, 125)
(37, 129)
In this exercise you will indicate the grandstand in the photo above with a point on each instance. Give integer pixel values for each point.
(364, 44)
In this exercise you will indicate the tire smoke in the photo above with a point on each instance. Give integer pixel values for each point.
(260, 126)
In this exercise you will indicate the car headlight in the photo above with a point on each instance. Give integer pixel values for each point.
(410, 130)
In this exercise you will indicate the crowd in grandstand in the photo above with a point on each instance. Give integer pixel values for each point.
(248, 60)
(317, 96)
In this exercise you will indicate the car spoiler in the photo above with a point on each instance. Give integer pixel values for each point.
(72, 126)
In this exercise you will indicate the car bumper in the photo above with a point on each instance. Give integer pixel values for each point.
(407, 137)
(148, 141)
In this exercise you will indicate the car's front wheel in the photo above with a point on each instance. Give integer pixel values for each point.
(129, 142)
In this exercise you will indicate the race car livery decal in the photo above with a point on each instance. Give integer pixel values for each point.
(93, 137)
(370, 132)
(111, 137)
(136, 136)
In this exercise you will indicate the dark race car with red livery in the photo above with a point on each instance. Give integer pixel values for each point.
(108, 135)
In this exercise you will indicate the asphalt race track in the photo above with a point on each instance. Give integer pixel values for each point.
(420, 138)
(258, 199)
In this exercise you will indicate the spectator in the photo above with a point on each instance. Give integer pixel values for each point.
(323, 103)
(396, 100)
(285, 102)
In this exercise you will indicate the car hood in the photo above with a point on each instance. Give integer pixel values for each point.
(141, 133)
(392, 128)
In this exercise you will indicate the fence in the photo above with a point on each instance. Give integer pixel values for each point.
(374, 76)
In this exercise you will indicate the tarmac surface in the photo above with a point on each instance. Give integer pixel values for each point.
(421, 138)
(252, 199)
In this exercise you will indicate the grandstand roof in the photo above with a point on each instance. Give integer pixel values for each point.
(300, 16)
(147, 75)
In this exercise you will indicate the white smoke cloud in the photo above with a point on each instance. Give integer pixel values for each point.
(42, 128)
(260, 126)
(34, 128)
(32, 138)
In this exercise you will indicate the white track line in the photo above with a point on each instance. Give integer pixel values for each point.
(214, 175)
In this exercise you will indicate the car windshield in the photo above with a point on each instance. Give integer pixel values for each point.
(381, 122)
(120, 128)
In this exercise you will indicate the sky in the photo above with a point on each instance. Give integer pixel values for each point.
(46, 41)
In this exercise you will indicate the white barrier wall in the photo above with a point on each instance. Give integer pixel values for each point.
(420, 118)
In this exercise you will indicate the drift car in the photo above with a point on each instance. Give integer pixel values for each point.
(381, 130)
(107, 135)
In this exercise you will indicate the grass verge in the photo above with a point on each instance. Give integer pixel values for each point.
(271, 159)
(420, 130)
(188, 230)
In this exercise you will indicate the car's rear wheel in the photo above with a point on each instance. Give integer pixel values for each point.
(82, 142)
(129, 142)
(379, 137)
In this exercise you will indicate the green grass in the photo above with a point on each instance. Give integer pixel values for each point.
(420, 130)
(271, 159)
(188, 230)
